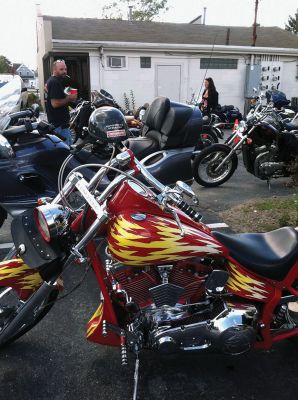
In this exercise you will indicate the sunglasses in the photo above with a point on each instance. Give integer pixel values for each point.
(58, 61)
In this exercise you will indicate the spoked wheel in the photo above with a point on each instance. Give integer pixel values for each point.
(10, 306)
(206, 163)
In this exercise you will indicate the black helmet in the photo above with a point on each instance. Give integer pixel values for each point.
(108, 125)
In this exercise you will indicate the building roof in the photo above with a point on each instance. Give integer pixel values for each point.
(15, 66)
(91, 29)
(24, 71)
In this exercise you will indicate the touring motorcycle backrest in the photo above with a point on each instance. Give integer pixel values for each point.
(157, 112)
(182, 126)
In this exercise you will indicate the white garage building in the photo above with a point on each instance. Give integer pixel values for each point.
(153, 58)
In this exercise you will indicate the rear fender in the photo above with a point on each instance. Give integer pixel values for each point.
(218, 131)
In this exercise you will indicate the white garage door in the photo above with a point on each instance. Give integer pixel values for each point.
(168, 81)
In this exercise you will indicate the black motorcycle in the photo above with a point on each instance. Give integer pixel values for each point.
(269, 150)
(228, 115)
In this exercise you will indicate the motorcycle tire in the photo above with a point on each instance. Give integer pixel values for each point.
(3, 216)
(204, 165)
(9, 302)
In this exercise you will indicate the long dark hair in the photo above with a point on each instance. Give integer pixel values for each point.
(211, 87)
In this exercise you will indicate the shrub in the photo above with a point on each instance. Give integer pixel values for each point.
(33, 98)
(294, 172)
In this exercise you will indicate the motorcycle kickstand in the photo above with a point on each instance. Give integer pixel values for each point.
(136, 377)
(269, 184)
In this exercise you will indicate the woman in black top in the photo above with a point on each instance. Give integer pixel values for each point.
(209, 97)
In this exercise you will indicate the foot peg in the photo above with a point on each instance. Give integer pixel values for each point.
(124, 359)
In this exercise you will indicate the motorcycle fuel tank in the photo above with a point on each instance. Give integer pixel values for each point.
(141, 232)
(140, 239)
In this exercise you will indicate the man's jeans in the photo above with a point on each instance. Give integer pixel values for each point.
(66, 133)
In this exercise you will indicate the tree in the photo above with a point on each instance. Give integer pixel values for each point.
(142, 10)
(5, 65)
(293, 24)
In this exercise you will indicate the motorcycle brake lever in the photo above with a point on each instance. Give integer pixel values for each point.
(162, 201)
(175, 215)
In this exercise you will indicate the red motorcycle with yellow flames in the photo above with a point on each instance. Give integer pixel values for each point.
(168, 283)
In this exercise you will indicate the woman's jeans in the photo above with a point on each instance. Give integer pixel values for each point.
(66, 133)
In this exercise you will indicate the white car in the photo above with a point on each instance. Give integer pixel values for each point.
(13, 93)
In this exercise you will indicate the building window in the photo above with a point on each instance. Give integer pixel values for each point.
(145, 62)
(116, 61)
(219, 63)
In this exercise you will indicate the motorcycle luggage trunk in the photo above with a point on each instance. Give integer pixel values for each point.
(36, 252)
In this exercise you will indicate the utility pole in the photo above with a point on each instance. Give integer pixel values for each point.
(254, 32)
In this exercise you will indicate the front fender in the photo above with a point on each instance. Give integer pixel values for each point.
(23, 279)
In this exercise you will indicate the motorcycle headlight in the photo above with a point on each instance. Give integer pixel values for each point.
(52, 220)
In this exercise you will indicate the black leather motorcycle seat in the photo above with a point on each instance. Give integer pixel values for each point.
(290, 126)
(142, 146)
(271, 254)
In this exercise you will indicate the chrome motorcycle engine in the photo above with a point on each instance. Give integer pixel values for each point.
(173, 311)
(266, 166)
(229, 332)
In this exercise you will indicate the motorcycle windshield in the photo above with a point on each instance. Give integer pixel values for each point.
(10, 94)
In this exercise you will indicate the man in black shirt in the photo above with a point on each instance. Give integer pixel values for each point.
(58, 101)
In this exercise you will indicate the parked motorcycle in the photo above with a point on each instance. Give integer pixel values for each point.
(228, 114)
(212, 129)
(79, 116)
(267, 146)
(171, 138)
(30, 160)
(167, 283)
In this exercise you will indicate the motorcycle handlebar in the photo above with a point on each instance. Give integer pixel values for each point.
(13, 131)
(18, 129)
(188, 210)
(22, 114)
(181, 204)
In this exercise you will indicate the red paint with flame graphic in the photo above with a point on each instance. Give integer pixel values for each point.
(152, 238)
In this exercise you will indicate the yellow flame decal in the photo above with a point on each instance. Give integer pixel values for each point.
(238, 282)
(168, 247)
(31, 281)
(95, 320)
(28, 278)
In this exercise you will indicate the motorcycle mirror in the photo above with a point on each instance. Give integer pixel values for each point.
(6, 151)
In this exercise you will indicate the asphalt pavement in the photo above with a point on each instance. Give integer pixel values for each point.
(54, 360)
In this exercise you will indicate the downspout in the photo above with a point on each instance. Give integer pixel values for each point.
(188, 74)
(101, 67)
